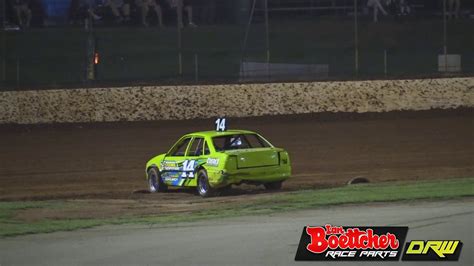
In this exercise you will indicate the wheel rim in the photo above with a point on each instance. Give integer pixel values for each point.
(153, 182)
(202, 185)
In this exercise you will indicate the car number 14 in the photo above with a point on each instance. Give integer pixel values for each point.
(221, 124)
(188, 168)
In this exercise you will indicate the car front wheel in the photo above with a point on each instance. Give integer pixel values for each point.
(154, 181)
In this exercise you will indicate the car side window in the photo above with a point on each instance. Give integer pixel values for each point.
(255, 142)
(206, 149)
(219, 143)
(196, 147)
(180, 149)
(239, 142)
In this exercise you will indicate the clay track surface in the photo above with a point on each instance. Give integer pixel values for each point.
(106, 160)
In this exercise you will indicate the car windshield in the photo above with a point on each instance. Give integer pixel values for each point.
(239, 141)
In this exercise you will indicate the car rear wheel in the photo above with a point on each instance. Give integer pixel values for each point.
(273, 185)
(203, 187)
(154, 181)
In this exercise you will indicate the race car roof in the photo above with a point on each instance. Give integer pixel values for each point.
(220, 133)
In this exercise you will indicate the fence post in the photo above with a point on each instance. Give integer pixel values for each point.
(196, 68)
(180, 64)
(17, 72)
(385, 62)
(4, 68)
(4, 63)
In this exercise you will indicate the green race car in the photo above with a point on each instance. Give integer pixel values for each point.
(215, 160)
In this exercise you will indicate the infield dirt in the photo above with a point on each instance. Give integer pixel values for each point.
(106, 161)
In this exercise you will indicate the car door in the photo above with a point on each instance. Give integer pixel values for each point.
(175, 164)
(194, 157)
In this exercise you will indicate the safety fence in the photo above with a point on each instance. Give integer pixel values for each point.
(52, 43)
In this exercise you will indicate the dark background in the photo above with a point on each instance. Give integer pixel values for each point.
(57, 50)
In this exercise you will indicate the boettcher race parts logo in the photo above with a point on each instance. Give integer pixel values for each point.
(339, 243)
(351, 243)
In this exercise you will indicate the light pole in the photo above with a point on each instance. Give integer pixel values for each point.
(4, 41)
(91, 50)
(244, 43)
(179, 10)
(356, 40)
(267, 36)
(445, 38)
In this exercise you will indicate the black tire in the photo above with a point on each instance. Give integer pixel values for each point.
(155, 184)
(204, 189)
(273, 185)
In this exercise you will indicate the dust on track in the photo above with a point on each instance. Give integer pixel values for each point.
(106, 160)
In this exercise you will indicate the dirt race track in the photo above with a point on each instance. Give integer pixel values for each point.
(106, 161)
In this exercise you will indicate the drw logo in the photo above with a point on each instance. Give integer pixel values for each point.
(433, 250)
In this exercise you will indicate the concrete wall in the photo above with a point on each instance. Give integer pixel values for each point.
(187, 102)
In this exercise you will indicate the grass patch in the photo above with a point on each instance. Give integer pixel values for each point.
(8, 209)
(279, 202)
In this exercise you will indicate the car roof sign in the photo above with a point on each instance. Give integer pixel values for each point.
(221, 124)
